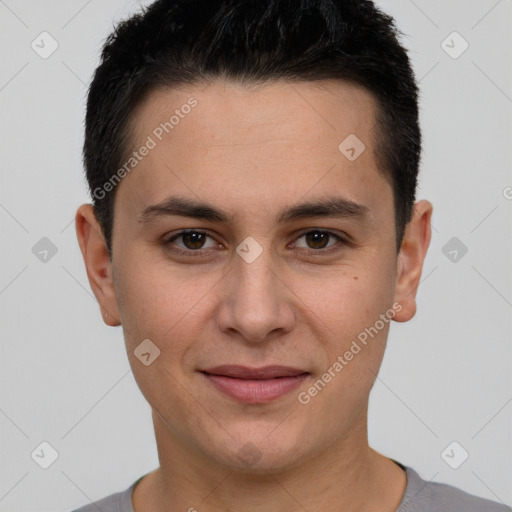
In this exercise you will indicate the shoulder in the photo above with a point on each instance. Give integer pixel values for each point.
(118, 502)
(423, 496)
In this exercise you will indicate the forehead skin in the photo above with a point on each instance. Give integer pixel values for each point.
(253, 151)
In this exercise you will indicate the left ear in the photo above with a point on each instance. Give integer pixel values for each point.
(410, 259)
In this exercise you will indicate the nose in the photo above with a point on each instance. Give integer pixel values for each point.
(255, 304)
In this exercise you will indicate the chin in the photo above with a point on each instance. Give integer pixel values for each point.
(261, 454)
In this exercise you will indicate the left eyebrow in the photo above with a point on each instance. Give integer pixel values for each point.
(337, 207)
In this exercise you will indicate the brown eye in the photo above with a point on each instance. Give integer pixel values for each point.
(317, 239)
(191, 241)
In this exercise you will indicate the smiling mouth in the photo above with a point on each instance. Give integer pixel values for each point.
(255, 385)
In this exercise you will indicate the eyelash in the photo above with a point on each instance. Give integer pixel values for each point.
(199, 252)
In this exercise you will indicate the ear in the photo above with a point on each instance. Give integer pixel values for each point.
(97, 262)
(410, 259)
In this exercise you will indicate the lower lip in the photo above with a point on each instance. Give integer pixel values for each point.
(256, 391)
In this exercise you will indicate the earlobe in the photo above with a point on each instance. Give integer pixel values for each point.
(97, 262)
(410, 259)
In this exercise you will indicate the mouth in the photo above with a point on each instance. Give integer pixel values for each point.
(255, 385)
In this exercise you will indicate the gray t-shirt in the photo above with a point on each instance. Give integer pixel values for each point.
(419, 496)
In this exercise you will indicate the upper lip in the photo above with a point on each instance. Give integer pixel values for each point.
(244, 372)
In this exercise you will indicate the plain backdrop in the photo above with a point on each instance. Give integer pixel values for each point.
(64, 375)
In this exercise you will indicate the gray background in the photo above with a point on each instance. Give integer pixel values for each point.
(64, 375)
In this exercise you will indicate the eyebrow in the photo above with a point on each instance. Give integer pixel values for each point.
(337, 207)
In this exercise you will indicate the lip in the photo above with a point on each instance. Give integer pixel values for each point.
(255, 385)
(244, 372)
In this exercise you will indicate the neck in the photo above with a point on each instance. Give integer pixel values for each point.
(346, 476)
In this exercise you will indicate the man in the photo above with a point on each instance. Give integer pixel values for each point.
(253, 166)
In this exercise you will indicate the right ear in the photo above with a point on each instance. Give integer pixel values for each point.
(97, 262)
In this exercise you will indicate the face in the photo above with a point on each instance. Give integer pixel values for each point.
(289, 259)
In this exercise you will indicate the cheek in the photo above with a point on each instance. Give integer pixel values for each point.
(166, 308)
(158, 302)
(345, 309)
(353, 345)
(346, 300)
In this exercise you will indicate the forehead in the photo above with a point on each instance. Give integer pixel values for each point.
(238, 143)
(258, 113)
